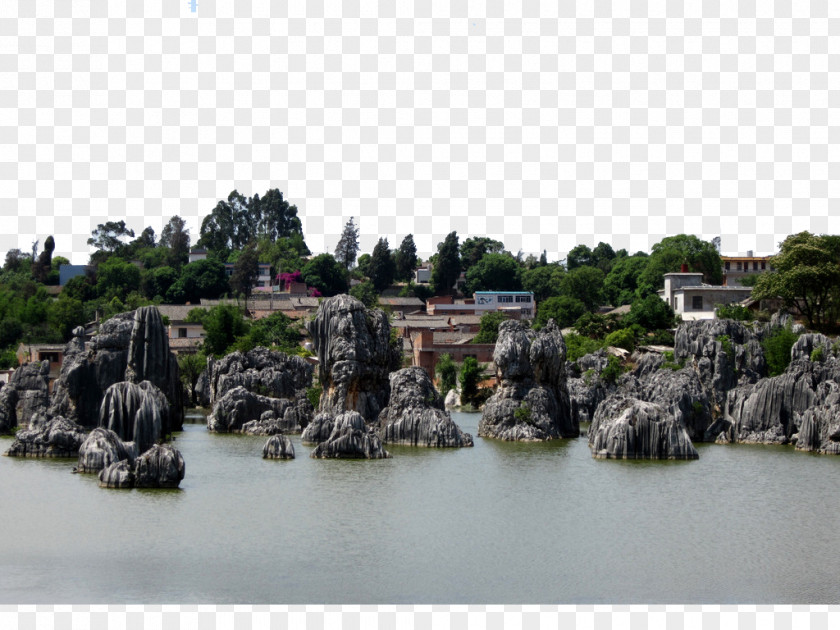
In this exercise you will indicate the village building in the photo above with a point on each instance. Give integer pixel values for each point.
(736, 268)
(517, 304)
(262, 282)
(691, 299)
(427, 346)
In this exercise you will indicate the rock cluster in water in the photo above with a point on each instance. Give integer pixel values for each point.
(586, 388)
(261, 392)
(57, 437)
(278, 447)
(532, 401)
(415, 415)
(355, 357)
(162, 466)
(26, 395)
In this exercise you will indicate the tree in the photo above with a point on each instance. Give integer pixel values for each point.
(579, 256)
(106, 237)
(475, 248)
(622, 281)
(275, 218)
(156, 282)
(584, 284)
(777, 347)
(470, 378)
(16, 261)
(447, 266)
(348, 245)
(382, 267)
(447, 373)
(278, 331)
(222, 325)
(41, 269)
(363, 265)
(325, 274)
(495, 272)
(200, 279)
(191, 366)
(651, 313)
(603, 256)
(806, 276)
(176, 237)
(670, 253)
(405, 259)
(64, 314)
(543, 281)
(488, 328)
(365, 293)
(246, 269)
(564, 310)
(117, 278)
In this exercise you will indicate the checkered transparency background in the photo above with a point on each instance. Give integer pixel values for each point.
(542, 124)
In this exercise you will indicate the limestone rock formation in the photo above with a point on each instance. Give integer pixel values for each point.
(117, 475)
(242, 411)
(135, 412)
(532, 400)
(628, 428)
(806, 344)
(586, 387)
(245, 386)
(101, 448)
(452, 399)
(355, 357)
(415, 415)
(725, 353)
(350, 438)
(26, 394)
(768, 412)
(162, 466)
(278, 447)
(57, 437)
(319, 430)
(131, 346)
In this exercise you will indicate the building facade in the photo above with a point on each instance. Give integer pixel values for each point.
(518, 304)
(691, 299)
(736, 268)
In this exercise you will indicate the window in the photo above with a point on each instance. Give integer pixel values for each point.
(523, 298)
(697, 302)
(726, 265)
(739, 266)
(674, 305)
(763, 265)
(182, 332)
(505, 299)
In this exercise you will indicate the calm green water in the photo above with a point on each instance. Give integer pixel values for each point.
(498, 523)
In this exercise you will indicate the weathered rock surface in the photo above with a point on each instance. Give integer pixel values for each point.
(628, 428)
(26, 394)
(135, 412)
(58, 437)
(244, 387)
(242, 411)
(532, 401)
(319, 430)
(350, 438)
(101, 448)
(452, 399)
(355, 357)
(768, 412)
(415, 415)
(805, 345)
(586, 387)
(131, 346)
(725, 353)
(278, 447)
(162, 466)
(819, 427)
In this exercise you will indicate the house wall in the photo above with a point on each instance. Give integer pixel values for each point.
(427, 353)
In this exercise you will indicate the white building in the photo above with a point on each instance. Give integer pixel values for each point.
(692, 299)
(517, 303)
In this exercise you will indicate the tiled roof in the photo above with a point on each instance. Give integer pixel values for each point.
(401, 301)
(176, 312)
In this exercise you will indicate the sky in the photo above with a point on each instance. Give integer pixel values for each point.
(539, 125)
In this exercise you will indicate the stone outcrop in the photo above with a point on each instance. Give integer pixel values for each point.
(629, 428)
(819, 426)
(242, 411)
(350, 438)
(806, 344)
(415, 415)
(319, 430)
(355, 357)
(769, 411)
(26, 395)
(278, 447)
(135, 412)
(131, 346)
(161, 466)
(57, 437)
(725, 353)
(244, 387)
(586, 388)
(101, 448)
(532, 400)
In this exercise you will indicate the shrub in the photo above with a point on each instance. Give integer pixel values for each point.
(726, 346)
(447, 373)
(817, 355)
(734, 311)
(623, 338)
(578, 346)
(613, 370)
(313, 394)
(670, 363)
(777, 348)
(523, 413)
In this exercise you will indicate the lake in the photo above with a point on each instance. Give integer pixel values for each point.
(498, 523)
